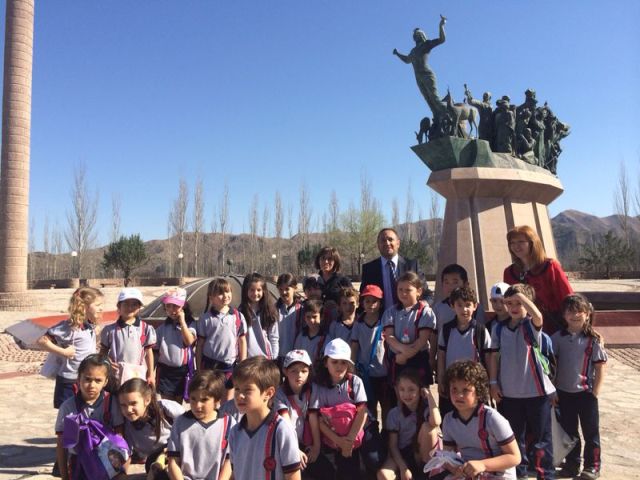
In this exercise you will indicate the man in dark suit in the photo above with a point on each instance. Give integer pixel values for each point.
(384, 271)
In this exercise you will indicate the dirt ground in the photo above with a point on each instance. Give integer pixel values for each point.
(27, 444)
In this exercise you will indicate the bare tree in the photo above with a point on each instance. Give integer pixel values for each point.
(434, 216)
(81, 220)
(408, 212)
(198, 222)
(179, 219)
(290, 220)
(278, 221)
(223, 222)
(116, 203)
(622, 200)
(56, 239)
(304, 215)
(31, 263)
(253, 231)
(46, 246)
(170, 237)
(395, 213)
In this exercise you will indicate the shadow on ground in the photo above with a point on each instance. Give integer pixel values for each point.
(42, 451)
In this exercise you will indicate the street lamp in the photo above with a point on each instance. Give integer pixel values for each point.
(360, 264)
(74, 255)
(274, 257)
(180, 257)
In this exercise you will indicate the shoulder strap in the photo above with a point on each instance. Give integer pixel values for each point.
(421, 307)
(479, 340)
(446, 332)
(483, 434)
(106, 409)
(320, 346)
(298, 321)
(224, 441)
(238, 321)
(269, 462)
(143, 339)
(586, 363)
(350, 386)
(374, 346)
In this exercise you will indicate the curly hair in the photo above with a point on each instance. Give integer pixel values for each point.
(78, 303)
(470, 372)
(466, 294)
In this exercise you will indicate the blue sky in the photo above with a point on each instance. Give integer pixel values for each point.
(267, 95)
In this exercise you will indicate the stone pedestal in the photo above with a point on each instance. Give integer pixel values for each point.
(483, 204)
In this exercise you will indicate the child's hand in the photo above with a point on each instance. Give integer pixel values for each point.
(405, 474)
(303, 460)
(181, 316)
(401, 358)
(496, 393)
(473, 468)
(151, 379)
(554, 399)
(312, 456)
(70, 351)
(345, 446)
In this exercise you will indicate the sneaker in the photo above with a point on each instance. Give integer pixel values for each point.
(56, 470)
(568, 471)
(589, 474)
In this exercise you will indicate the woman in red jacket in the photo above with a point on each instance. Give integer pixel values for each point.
(532, 266)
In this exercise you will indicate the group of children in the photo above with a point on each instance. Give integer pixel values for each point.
(295, 390)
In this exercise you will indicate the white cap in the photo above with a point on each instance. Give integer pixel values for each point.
(130, 293)
(497, 291)
(338, 349)
(296, 356)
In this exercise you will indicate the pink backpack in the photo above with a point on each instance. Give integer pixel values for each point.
(340, 417)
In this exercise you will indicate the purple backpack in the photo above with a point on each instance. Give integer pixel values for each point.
(101, 454)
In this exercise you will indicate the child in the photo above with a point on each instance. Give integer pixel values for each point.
(347, 305)
(518, 382)
(461, 339)
(289, 310)
(453, 276)
(312, 334)
(292, 402)
(73, 339)
(367, 350)
(261, 317)
(263, 444)
(403, 423)
(496, 298)
(312, 288)
(128, 342)
(408, 328)
(93, 401)
(176, 337)
(336, 384)
(147, 423)
(481, 435)
(579, 350)
(221, 333)
(198, 445)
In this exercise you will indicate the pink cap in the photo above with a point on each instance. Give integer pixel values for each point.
(175, 296)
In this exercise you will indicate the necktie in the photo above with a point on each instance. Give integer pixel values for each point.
(393, 279)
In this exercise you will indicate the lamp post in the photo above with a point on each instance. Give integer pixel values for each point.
(274, 257)
(180, 257)
(74, 272)
(360, 264)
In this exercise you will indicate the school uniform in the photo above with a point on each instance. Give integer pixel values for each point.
(481, 436)
(577, 355)
(261, 342)
(313, 345)
(201, 448)
(404, 423)
(288, 318)
(525, 389)
(370, 364)
(339, 329)
(270, 451)
(83, 339)
(229, 408)
(221, 332)
(128, 342)
(173, 357)
(405, 327)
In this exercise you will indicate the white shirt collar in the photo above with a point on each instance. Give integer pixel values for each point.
(394, 259)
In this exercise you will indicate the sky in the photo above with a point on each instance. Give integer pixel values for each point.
(268, 96)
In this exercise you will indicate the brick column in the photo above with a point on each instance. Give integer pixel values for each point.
(16, 131)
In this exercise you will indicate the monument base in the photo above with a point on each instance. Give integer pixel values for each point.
(483, 204)
(19, 302)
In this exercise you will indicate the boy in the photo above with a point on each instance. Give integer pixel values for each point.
(347, 305)
(263, 444)
(461, 339)
(197, 447)
(289, 313)
(129, 341)
(453, 276)
(497, 303)
(519, 384)
(311, 336)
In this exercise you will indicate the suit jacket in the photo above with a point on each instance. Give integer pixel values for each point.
(372, 271)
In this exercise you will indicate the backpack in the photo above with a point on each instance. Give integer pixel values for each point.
(269, 463)
(128, 370)
(478, 339)
(543, 353)
(306, 439)
(340, 417)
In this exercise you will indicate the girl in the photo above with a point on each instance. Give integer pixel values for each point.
(409, 327)
(93, 401)
(482, 436)
(581, 359)
(73, 339)
(261, 317)
(336, 384)
(289, 311)
(175, 340)
(147, 423)
(221, 333)
(292, 401)
(404, 423)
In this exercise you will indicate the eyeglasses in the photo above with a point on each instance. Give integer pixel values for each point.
(518, 242)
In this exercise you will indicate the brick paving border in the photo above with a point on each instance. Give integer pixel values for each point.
(628, 356)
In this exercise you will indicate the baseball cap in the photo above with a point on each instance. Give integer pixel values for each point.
(175, 296)
(130, 293)
(338, 349)
(296, 356)
(497, 291)
(372, 291)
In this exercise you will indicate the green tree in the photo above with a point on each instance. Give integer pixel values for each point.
(605, 254)
(306, 256)
(126, 254)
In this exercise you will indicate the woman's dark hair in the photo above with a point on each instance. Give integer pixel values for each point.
(266, 308)
(579, 303)
(154, 413)
(328, 252)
